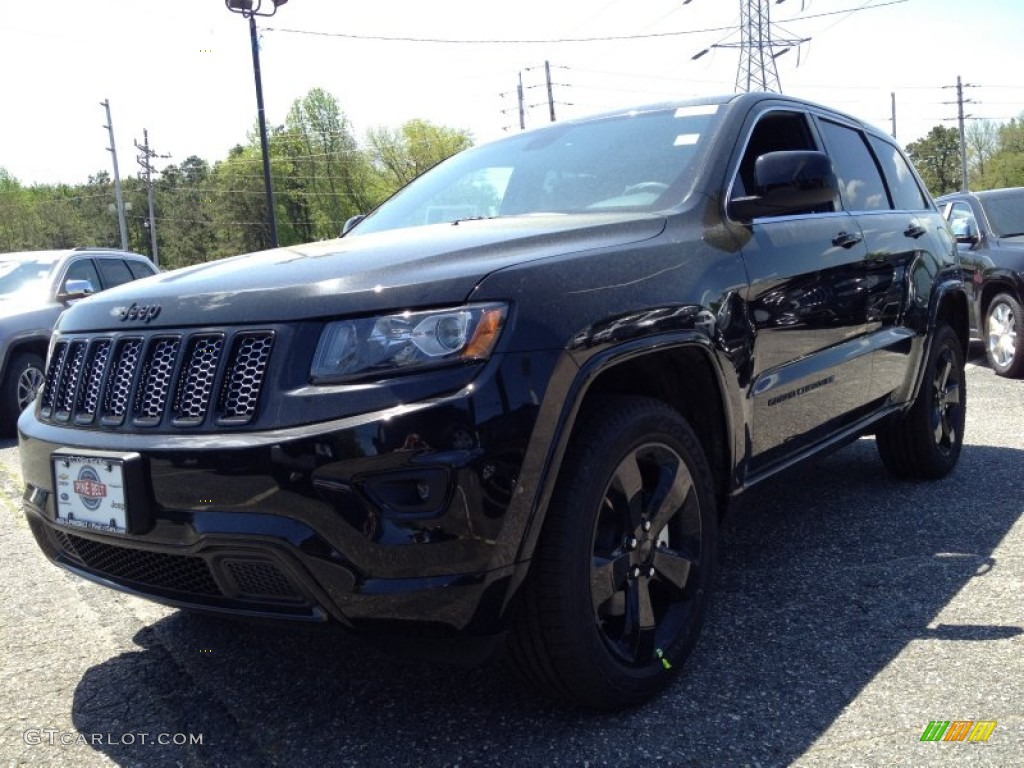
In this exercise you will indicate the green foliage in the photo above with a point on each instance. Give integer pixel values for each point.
(937, 159)
(995, 156)
(400, 156)
(320, 174)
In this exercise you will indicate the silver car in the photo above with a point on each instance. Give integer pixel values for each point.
(35, 287)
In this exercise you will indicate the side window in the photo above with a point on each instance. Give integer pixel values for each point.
(140, 270)
(860, 183)
(774, 132)
(906, 193)
(962, 221)
(114, 272)
(83, 269)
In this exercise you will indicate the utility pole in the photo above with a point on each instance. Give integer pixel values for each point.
(522, 106)
(144, 158)
(892, 96)
(551, 97)
(960, 101)
(117, 178)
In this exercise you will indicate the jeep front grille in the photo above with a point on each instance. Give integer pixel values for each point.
(175, 380)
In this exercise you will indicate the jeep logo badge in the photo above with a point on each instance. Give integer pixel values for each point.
(144, 313)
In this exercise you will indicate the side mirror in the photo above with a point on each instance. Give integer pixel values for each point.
(351, 223)
(964, 231)
(787, 183)
(76, 289)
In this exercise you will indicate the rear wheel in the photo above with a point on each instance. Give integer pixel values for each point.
(621, 579)
(22, 382)
(1004, 336)
(925, 442)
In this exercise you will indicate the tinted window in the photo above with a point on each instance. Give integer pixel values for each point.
(1005, 214)
(83, 269)
(115, 272)
(906, 194)
(140, 269)
(774, 132)
(860, 183)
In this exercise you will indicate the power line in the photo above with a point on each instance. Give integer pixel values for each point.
(534, 41)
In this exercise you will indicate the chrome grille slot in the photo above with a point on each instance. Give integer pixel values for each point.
(117, 395)
(195, 385)
(155, 382)
(67, 380)
(244, 378)
(89, 389)
(57, 358)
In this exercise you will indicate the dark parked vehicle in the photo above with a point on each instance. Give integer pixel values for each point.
(989, 231)
(512, 404)
(35, 287)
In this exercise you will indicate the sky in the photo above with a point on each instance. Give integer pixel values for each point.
(182, 69)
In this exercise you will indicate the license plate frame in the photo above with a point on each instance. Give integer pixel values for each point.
(98, 491)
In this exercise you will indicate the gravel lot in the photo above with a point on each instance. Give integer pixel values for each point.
(851, 610)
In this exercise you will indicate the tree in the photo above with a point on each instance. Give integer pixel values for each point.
(1006, 167)
(327, 180)
(982, 142)
(184, 202)
(400, 156)
(937, 159)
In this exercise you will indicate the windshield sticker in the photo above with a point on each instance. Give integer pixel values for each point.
(697, 111)
(686, 139)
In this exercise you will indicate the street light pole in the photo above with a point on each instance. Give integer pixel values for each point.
(267, 183)
(251, 9)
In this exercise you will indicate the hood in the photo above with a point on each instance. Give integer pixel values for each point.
(395, 270)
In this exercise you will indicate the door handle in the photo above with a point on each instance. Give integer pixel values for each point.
(914, 231)
(846, 240)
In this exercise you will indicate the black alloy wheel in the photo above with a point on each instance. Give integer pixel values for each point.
(621, 580)
(925, 442)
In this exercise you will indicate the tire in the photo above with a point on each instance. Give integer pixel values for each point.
(1004, 336)
(925, 442)
(621, 579)
(22, 382)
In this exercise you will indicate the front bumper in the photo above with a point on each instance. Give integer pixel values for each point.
(381, 522)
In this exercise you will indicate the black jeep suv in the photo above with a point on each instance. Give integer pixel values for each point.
(512, 402)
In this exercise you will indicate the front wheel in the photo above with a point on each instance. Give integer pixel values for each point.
(21, 384)
(1004, 336)
(621, 578)
(925, 442)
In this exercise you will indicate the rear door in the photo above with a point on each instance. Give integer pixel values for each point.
(904, 235)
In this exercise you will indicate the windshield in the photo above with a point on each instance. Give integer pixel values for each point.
(637, 161)
(23, 279)
(1006, 214)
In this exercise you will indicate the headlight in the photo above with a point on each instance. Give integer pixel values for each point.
(408, 341)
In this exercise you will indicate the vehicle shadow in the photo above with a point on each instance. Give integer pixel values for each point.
(825, 579)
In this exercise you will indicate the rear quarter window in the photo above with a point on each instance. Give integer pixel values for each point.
(906, 193)
(140, 269)
(860, 182)
(114, 272)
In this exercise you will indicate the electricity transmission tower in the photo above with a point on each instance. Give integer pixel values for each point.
(758, 49)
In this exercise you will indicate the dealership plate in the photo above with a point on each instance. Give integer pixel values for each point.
(90, 492)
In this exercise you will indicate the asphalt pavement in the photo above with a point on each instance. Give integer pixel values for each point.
(851, 611)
